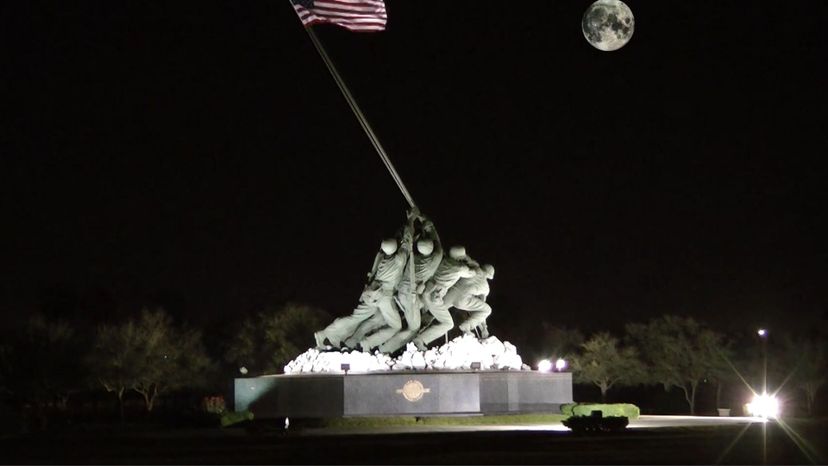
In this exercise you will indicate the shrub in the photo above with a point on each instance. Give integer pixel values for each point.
(627, 410)
(214, 404)
(228, 418)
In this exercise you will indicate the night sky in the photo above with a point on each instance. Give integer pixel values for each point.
(197, 155)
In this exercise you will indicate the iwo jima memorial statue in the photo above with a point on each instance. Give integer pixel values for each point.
(405, 306)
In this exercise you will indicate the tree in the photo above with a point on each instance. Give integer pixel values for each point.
(812, 371)
(722, 370)
(678, 352)
(268, 341)
(604, 363)
(150, 356)
(560, 341)
(174, 357)
(38, 364)
(806, 360)
(115, 360)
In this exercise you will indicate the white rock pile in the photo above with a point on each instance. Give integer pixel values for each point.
(458, 354)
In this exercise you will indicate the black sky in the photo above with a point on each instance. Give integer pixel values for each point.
(198, 155)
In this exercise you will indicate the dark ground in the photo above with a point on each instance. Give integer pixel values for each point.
(211, 446)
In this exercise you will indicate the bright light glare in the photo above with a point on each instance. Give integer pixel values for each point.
(545, 365)
(761, 332)
(764, 405)
(560, 364)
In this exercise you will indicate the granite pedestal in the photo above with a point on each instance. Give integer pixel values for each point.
(418, 393)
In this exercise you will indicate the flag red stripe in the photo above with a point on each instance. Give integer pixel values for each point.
(352, 8)
(352, 19)
(347, 26)
(380, 3)
(355, 4)
(345, 14)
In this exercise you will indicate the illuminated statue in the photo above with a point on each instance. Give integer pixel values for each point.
(427, 257)
(452, 268)
(426, 287)
(378, 295)
(469, 294)
(390, 311)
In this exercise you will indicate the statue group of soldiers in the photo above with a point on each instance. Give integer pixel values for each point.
(410, 290)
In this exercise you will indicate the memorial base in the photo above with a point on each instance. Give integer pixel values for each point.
(419, 393)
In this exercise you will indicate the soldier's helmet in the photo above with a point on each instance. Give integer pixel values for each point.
(489, 270)
(389, 246)
(425, 247)
(457, 252)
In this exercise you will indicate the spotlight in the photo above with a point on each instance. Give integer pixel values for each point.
(545, 365)
(560, 364)
(762, 332)
(764, 405)
(243, 370)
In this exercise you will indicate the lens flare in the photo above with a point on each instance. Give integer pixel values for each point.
(764, 405)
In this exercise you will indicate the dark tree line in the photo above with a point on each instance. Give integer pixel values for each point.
(45, 361)
(681, 354)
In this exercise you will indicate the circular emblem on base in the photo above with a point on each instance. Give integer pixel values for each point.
(413, 390)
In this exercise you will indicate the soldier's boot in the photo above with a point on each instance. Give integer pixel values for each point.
(320, 340)
(465, 329)
(365, 346)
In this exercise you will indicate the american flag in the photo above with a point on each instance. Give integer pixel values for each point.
(355, 15)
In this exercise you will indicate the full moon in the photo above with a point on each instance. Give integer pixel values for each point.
(608, 24)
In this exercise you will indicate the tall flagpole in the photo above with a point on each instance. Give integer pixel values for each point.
(377, 145)
(360, 116)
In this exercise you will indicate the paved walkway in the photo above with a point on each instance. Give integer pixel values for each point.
(643, 422)
(650, 422)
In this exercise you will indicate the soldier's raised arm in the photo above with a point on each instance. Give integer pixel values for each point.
(407, 238)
